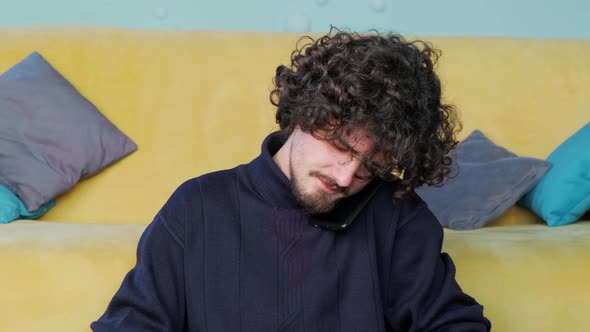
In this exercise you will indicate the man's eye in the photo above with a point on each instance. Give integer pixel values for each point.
(363, 175)
(340, 148)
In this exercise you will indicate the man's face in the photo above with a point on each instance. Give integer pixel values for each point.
(322, 173)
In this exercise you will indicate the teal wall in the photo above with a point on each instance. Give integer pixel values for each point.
(520, 18)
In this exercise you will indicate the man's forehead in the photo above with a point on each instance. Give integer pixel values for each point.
(360, 143)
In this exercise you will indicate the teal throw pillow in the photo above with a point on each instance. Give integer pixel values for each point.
(563, 194)
(12, 208)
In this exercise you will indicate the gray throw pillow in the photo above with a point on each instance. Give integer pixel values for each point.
(488, 180)
(50, 135)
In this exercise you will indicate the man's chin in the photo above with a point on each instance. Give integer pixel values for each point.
(318, 200)
(318, 205)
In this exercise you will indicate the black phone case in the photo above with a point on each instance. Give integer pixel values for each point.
(346, 210)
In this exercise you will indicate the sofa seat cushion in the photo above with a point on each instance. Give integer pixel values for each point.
(519, 273)
(61, 276)
(526, 272)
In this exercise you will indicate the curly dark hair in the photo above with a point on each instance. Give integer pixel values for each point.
(379, 82)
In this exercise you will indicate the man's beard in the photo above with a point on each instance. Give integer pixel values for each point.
(316, 202)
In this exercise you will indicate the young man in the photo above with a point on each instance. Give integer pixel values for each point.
(322, 231)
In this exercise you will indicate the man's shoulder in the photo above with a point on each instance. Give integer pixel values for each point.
(192, 189)
(388, 189)
(398, 208)
(190, 194)
(218, 178)
(186, 202)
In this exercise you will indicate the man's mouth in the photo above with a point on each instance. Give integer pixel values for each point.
(332, 189)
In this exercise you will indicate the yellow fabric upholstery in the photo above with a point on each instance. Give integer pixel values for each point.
(197, 101)
(529, 277)
(60, 276)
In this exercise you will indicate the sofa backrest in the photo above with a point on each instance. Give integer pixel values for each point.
(198, 101)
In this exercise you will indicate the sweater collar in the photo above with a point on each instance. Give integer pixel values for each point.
(268, 179)
(275, 188)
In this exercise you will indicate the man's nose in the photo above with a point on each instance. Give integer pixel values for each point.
(344, 172)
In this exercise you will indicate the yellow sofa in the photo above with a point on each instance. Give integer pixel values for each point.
(197, 101)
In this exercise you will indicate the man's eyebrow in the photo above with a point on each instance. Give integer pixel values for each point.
(343, 144)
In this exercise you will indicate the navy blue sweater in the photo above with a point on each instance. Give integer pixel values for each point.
(233, 251)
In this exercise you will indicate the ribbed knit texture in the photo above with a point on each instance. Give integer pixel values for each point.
(232, 251)
(290, 272)
(275, 188)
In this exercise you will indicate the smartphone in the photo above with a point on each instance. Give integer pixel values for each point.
(345, 211)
